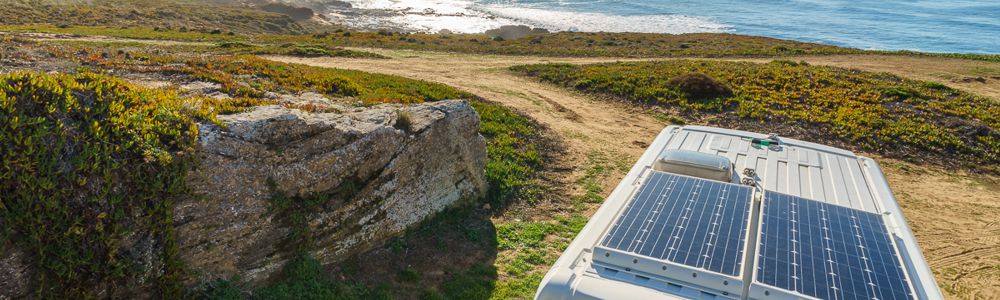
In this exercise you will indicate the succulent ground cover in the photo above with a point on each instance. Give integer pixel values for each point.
(89, 159)
(875, 112)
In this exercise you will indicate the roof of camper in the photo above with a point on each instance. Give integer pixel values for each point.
(796, 168)
(615, 256)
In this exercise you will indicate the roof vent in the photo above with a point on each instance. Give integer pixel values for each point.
(695, 164)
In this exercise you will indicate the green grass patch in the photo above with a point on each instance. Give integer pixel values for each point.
(513, 157)
(476, 283)
(302, 278)
(877, 112)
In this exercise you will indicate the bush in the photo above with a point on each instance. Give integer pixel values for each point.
(309, 51)
(898, 92)
(340, 86)
(234, 45)
(789, 63)
(699, 86)
(934, 85)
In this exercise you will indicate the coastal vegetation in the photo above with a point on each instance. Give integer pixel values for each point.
(874, 112)
(214, 17)
(565, 44)
(253, 77)
(584, 44)
(94, 157)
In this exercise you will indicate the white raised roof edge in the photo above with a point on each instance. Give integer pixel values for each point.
(905, 240)
(575, 276)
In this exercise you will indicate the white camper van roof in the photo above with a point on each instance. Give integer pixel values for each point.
(796, 220)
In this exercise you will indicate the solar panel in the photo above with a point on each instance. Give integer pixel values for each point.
(827, 251)
(685, 220)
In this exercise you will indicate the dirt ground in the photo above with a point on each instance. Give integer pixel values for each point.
(955, 215)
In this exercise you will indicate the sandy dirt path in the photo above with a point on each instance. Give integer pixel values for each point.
(953, 214)
(977, 77)
(587, 127)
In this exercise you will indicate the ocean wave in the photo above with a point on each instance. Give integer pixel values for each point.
(591, 21)
(464, 16)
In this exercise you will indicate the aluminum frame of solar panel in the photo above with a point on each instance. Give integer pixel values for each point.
(682, 228)
(812, 249)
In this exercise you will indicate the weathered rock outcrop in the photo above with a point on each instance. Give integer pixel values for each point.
(508, 32)
(367, 174)
(274, 182)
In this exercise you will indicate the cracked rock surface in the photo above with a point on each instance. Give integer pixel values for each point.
(375, 172)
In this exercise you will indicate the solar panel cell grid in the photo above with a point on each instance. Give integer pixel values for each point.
(827, 251)
(685, 220)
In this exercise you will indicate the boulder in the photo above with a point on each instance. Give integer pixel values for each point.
(508, 32)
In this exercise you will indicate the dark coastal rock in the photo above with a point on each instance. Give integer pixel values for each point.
(297, 13)
(514, 31)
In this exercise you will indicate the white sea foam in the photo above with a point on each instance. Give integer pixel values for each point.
(466, 16)
(590, 21)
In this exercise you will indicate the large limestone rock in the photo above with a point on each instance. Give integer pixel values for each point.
(369, 173)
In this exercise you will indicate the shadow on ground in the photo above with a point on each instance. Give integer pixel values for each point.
(450, 256)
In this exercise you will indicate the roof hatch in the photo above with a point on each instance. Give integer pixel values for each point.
(695, 164)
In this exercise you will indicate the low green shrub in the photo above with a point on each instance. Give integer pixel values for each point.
(698, 86)
(340, 86)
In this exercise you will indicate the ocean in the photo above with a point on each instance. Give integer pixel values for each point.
(922, 25)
